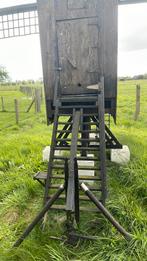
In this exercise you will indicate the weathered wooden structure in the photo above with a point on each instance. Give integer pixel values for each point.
(79, 44)
(79, 56)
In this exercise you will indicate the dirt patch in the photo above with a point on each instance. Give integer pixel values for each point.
(11, 216)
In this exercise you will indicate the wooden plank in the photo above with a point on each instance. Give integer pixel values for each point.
(47, 25)
(80, 40)
(70, 203)
(18, 9)
(37, 100)
(110, 51)
(128, 2)
(102, 141)
(83, 209)
(78, 58)
(43, 176)
(49, 171)
(16, 111)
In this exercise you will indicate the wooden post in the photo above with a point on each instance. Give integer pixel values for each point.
(3, 107)
(137, 110)
(16, 111)
(37, 100)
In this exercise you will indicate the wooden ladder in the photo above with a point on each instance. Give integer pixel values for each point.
(75, 142)
(81, 137)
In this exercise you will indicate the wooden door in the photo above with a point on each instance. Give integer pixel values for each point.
(79, 54)
(78, 26)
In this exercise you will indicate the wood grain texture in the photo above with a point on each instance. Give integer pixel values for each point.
(79, 45)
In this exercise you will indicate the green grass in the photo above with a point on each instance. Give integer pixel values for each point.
(21, 197)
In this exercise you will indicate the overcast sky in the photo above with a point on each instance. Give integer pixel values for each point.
(21, 56)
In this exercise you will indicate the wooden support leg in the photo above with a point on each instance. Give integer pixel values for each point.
(77, 210)
(39, 216)
(101, 114)
(49, 172)
(106, 213)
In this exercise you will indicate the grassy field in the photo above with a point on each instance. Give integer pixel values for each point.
(21, 197)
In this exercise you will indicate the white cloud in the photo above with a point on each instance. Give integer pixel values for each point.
(132, 28)
(22, 55)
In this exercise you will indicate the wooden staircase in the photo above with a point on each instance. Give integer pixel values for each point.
(73, 151)
(79, 133)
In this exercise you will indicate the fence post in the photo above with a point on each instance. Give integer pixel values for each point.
(16, 111)
(137, 109)
(3, 107)
(37, 100)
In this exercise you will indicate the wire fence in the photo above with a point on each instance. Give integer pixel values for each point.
(20, 107)
(16, 110)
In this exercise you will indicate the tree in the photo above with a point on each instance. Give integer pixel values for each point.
(4, 76)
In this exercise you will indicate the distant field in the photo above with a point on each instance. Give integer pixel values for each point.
(21, 197)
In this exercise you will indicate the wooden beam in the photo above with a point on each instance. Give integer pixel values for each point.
(127, 2)
(18, 9)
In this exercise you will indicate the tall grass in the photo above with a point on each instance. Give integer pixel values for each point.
(21, 197)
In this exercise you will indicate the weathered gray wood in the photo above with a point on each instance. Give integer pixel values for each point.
(137, 108)
(16, 111)
(127, 2)
(3, 106)
(46, 14)
(79, 44)
(37, 100)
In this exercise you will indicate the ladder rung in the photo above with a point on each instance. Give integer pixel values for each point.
(83, 209)
(81, 198)
(80, 131)
(58, 167)
(78, 158)
(92, 148)
(63, 114)
(80, 140)
(82, 123)
(65, 123)
(89, 123)
(43, 176)
(78, 107)
(79, 167)
(56, 186)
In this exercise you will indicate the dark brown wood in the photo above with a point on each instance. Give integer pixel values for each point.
(43, 176)
(102, 141)
(47, 206)
(77, 194)
(49, 172)
(70, 204)
(106, 213)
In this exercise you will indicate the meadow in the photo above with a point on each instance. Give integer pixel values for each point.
(21, 197)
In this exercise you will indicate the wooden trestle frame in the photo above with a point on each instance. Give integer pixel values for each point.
(78, 114)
